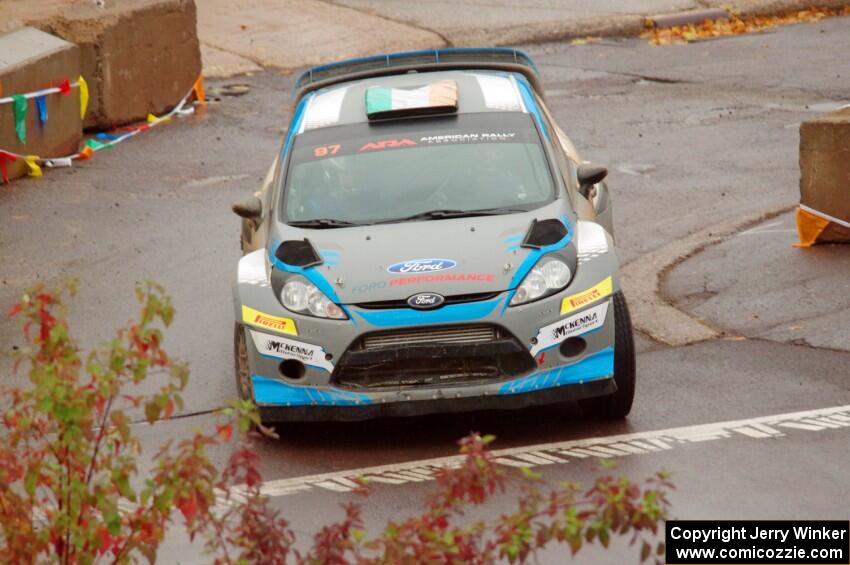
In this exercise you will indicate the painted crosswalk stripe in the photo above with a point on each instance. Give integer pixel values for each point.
(627, 447)
(751, 432)
(558, 453)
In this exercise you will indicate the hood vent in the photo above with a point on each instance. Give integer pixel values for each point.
(544, 233)
(298, 253)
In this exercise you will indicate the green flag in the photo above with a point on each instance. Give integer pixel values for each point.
(96, 145)
(20, 116)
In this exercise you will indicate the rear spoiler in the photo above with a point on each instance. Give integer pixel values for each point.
(497, 58)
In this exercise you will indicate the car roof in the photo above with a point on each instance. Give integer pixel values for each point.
(478, 91)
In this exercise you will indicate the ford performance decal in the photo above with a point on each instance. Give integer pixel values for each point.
(421, 266)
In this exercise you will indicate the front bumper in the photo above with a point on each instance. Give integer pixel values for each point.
(348, 413)
(329, 348)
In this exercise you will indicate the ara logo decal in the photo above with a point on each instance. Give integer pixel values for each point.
(426, 301)
(422, 266)
(387, 144)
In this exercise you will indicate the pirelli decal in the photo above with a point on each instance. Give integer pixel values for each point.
(592, 294)
(262, 320)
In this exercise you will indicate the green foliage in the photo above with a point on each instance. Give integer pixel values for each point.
(73, 493)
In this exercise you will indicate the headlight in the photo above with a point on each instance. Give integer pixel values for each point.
(304, 297)
(547, 277)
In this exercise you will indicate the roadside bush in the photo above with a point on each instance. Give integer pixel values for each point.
(72, 490)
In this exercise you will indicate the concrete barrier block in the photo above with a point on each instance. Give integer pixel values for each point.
(31, 60)
(825, 164)
(139, 56)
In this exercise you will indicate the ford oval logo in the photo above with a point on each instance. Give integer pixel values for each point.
(426, 301)
(415, 266)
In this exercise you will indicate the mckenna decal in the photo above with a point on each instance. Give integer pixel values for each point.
(257, 318)
(592, 294)
(282, 348)
(387, 144)
(577, 324)
(414, 266)
(460, 277)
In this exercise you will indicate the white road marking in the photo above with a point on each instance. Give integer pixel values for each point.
(762, 227)
(836, 417)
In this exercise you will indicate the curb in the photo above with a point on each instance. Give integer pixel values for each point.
(612, 26)
(685, 18)
(653, 313)
(748, 8)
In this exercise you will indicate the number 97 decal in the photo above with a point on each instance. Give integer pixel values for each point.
(326, 150)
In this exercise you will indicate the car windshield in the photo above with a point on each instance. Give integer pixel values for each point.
(416, 169)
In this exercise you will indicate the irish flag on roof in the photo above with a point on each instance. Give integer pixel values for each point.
(432, 98)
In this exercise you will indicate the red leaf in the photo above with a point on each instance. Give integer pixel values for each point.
(224, 432)
(188, 507)
(106, 540)
(169, 409)
(47, 322)
(14, 310)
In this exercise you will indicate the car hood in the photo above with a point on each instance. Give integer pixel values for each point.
(391, 262)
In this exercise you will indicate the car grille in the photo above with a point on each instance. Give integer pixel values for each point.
(434, 356)
(461, 334)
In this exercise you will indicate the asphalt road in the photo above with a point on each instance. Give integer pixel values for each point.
(693, 135)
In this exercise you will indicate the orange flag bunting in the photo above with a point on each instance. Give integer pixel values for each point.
(198, 89)
(816, 228)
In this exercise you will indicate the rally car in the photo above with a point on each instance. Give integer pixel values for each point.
(428, 240)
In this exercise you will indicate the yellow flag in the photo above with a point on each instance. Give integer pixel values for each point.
(35, 170)
(153, 119)
(84, 97)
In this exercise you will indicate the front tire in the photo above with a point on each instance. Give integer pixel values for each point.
(243, 372)
(617, 405)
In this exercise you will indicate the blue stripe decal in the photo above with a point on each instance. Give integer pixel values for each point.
(312, 275)
(448, 314)
(531, 104)
(271, 391)
(295, 124)
(593, 367)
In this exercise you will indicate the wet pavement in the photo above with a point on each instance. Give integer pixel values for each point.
(758, 285)
(694, 135)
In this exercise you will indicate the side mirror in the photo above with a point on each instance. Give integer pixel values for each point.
(251, 208)
(590, 174)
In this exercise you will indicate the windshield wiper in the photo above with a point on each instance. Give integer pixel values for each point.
(445, 214)
(323, 223)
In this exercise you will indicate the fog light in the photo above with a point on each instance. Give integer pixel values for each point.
(292, 369)
(573, 346)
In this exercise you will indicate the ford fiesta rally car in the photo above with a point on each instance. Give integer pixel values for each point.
(428, 240)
